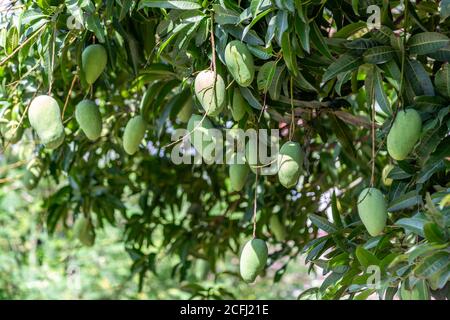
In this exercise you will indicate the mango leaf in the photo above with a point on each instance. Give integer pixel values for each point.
(265, 76)
(288, 55)
(383, 35)
(346, 62)
(170, 4)
(414, 225)
(366, 258)
(350, 29)
(379, 55)
(224, 15)
(302, 30)
(430, 169)
(444, 9)
(322, 223)
(248, 95)
(275, 86)
(427, 42)
(281, 25)
(406, 200)
(418, 78)
(318, 41)
(432, 264)
(433, 233)
(442, 81)
(255, 20)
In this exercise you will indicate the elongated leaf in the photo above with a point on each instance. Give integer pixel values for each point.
(170, 4)
(444, 9)
(350, 29)
(378, 55)
(406, 200)
(442, 81)
(427, 42)
(265, 76)
(318, 41)
(248, 95)
(275, 87)
(322, 223)
(345, 63)
(225, 16)
(414, 225)
(432, 264)
(418, 78)
(288, 55)
(366, 258)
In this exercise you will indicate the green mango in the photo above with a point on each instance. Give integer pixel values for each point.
(84, 231)
(418, 292)
(385, 173)
(93, 62)
(290, 161)
(200, 138)
(133, 134)
(32, 174)
(404, 134)
(239, 62)
(238, 174)
(253, 259)
(277, 228)
(11, 131)
(89, 119)
(186, 110)
(45, 118)
(212, 99)
(372, 210)
(239, 106)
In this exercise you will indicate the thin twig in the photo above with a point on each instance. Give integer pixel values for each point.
(68, 95)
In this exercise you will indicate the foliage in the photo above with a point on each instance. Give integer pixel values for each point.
(316, 60)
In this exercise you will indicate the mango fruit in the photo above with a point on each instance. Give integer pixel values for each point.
(45, 118)
(239, 62)
(385, 173)
(84, 231)
(186, 110)
(89, 119)
(212, 98)
(200, 138)
(253, 259)
(372, 210)
(418, 292)
(133, 134)
(11, 130)
(404, 134)
(238, 173)
(93, 62)
(277, 228)
(239, 105)
(33, 173)
(290, 161)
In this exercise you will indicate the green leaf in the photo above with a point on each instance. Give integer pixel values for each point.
(444, 9)
(427, 42)
(225, 16)
(335, 211)
(406, 200)
(265, 76)
(345, 63)
(319, 42)
(350, 29)
(432, 264)
(302, 30)
(248, 95)
(414, 225)
(430, 169)
(275, 86)
(366, 258)
(170, 4)
(383, 35)
(255, 20)
(442, 81)
(419, 78)
(379, 55)
(322, 223)
(288, 55)
(433, 233)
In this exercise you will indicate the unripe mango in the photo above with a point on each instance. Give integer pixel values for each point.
(290, 161)
(212, 98)
(239, 106)
(253, 259)
(418, 292)
(89, 119)
(84, 231)
(404, 134)
(385, 173)
(11, 131)
(32, 174)
(133, 134)
(277, 228)
(45, 118)
(238, 174)
(200, 138)
(240, 63)
(372, 210)
(93, 62)
(186, 110)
